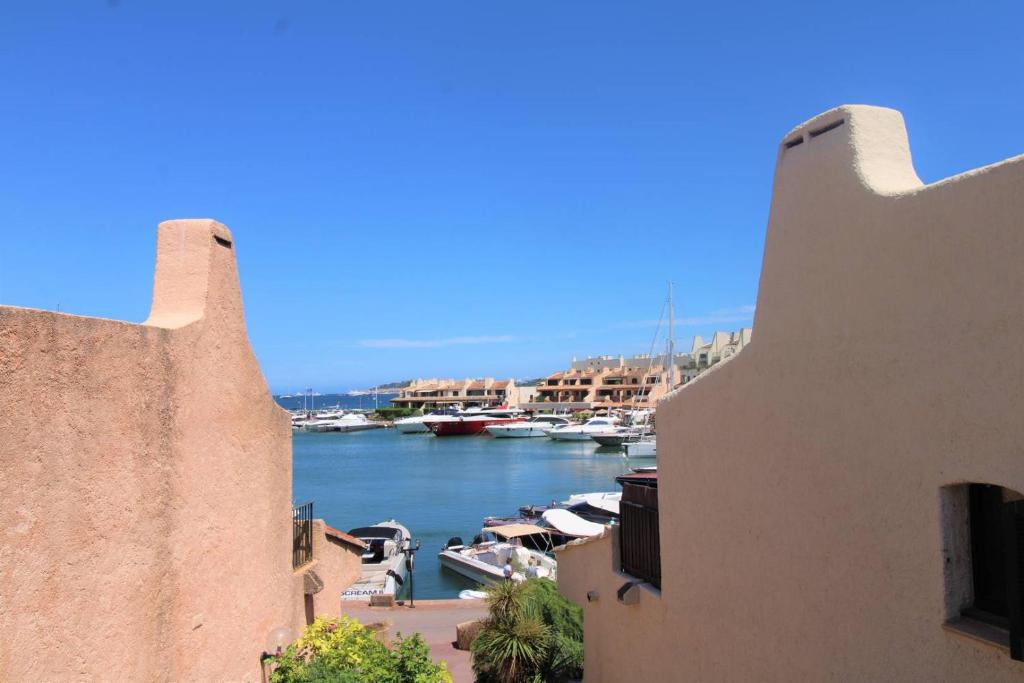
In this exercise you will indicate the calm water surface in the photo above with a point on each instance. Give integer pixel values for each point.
(440, 487)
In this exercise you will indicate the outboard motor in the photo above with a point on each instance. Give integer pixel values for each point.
(453, 541)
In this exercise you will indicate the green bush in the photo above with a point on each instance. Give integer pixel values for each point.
(344, 651)
(532, 634)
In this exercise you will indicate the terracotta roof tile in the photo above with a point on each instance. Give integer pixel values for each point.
(342, 536)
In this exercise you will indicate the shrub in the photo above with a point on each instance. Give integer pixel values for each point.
(345, 651)
(532, 634)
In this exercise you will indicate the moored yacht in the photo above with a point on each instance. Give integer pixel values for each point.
(538, 425)
(383, 563)
(472, 421)
(417, 424)
(582, 432)
(616, 436)
(645, 447)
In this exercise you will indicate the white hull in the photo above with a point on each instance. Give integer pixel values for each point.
(485, 564)
(640, 449)
(412, 427)
(565, 435)
(474, 570)
(517, 430)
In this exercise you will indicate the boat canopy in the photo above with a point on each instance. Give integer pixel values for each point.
(386, 532)
(517, 530)
(571, 524)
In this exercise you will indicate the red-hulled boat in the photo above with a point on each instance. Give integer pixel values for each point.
(471, 422)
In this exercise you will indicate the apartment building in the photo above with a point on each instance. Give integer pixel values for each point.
(638, 381)
(431, 394)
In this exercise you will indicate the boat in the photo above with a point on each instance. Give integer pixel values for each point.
(538, 425)
(384, 568)
(485, 560)
(322, 422)
(601, 511)
(617, 436)
(417, 424)
(572, 525)
(582, 432)
(472, 421)
(342, 422)
(641, 448)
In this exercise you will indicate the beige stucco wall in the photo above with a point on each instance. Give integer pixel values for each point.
(801, 533)
(338, 565)
(146, 484)
(592, 566)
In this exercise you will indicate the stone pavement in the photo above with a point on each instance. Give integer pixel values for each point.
(435, 620)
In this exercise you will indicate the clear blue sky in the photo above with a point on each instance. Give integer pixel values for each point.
(473, 188)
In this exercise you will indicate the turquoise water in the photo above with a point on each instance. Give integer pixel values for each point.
(440, 487)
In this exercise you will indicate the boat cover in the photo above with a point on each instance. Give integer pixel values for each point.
(386, 532)
(571, 524)
(516, 530)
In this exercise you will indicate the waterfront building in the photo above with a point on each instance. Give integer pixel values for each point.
(149, 532)
(638, 381)
(856, 515)
(431, 394)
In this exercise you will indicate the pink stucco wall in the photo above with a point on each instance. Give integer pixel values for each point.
(146, 485)
(802, 536)
(338, 563)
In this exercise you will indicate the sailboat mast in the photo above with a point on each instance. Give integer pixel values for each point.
(670, 359)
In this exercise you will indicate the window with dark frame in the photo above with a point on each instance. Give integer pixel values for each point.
(997, 540)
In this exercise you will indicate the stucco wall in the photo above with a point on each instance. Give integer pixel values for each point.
(338, 564)
(800, 498)
(614, 634)
(146, 484)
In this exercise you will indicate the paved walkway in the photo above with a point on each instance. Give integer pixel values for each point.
(435, 620)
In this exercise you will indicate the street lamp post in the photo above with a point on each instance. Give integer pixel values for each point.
(410, 564)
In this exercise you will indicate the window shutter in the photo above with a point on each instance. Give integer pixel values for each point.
(1013, 531)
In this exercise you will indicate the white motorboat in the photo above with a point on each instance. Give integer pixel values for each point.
(383, 563)
(616, 436)
(582, 432)
(642, 448)
(484, 561)
(342, 422)
(420, 423)
(607, 501)
(412, 425)
(322, 422)
(538, 425)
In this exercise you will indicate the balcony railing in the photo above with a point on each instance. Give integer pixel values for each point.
(302, 534)
(639, 544)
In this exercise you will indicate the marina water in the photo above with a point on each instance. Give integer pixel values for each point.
(441, 487)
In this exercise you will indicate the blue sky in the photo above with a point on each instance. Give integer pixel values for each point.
(468, 189)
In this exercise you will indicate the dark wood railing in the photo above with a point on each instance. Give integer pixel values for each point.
(302, 534)
(639, 544)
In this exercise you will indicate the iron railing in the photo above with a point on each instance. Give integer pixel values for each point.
(302, 534)
(639, 544)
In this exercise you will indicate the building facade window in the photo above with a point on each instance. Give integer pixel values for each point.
(984, 562)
